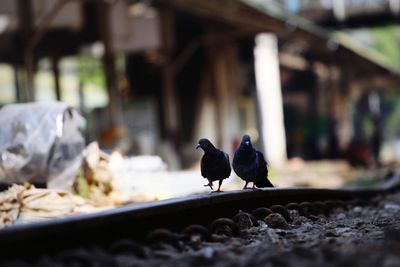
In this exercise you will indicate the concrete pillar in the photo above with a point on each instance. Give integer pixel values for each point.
(224, 64)
(269, 98)
(221, 87)
(25, 24)
(168, 78)
(114, 105)
(339, 9)
(172, 143)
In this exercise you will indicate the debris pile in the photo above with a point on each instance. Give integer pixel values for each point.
(112, 179)
(26, 203)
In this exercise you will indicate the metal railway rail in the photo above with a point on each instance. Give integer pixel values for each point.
(135, 222)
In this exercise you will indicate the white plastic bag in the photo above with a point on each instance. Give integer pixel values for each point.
(40, 143)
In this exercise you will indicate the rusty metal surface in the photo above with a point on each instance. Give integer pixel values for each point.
(135, 221)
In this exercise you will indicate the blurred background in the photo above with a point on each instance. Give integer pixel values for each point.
(315, 83)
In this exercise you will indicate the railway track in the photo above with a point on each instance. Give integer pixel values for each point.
(174, 221)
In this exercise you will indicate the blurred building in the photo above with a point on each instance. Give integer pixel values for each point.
(345, 13)
(179, 70)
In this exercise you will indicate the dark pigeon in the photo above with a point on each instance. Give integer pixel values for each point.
(250, 165)
(214, 163)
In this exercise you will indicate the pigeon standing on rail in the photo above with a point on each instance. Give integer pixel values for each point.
(250, 165)
(214, 163)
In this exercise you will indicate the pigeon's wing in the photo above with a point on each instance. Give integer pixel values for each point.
(235, 160)
(262, 171)
(203, 167)
(236, 164)
(260, 158)
(244, 165)
(227, 165)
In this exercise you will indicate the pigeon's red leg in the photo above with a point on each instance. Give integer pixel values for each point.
(210, 184)
(245, 186)
(219, 186)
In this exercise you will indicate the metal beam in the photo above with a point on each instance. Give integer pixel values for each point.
(56, 75)
(258, 18)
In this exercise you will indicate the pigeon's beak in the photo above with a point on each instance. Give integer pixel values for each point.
(198, 145)
(247, 143)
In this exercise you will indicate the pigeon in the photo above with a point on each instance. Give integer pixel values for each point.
(250, 165)
(214, 163)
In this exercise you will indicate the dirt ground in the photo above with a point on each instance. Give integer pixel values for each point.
(359, 236)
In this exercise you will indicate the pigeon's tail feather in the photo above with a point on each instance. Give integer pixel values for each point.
(263, 183)
(262, 179)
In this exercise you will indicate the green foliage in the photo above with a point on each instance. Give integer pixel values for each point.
(392, 128)
(364, 181)
(90, 70)
(387, 42)
(368, 127)
(81, 186)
